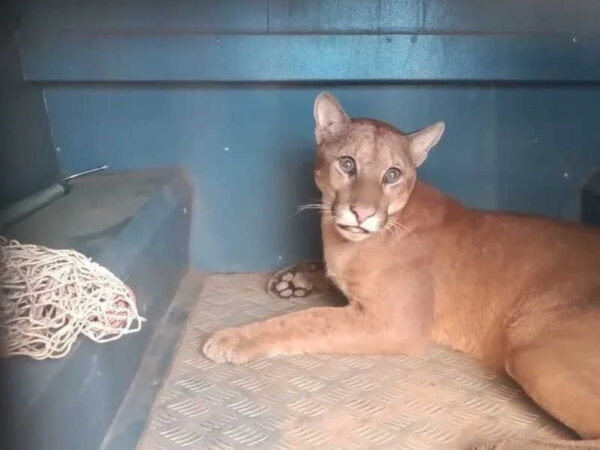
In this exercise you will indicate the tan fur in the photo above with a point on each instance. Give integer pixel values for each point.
(520, 293)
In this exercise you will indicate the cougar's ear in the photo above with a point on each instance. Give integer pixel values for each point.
(420, 142)
(329, 116)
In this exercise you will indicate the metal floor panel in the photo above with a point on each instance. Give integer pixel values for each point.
(440, 400)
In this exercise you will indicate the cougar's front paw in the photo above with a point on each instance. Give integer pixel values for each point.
(230, 345)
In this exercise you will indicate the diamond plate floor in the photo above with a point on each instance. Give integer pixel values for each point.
(439, 400)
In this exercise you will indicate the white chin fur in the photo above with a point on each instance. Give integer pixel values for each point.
(372, 224)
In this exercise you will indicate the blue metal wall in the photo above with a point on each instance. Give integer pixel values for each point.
(226, 89)
(28, 162)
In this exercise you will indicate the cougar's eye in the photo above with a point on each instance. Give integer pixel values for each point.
(347, 165)
(392, 175)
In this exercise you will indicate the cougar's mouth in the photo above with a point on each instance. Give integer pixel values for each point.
(353, 229)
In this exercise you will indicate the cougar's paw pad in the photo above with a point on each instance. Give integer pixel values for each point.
(295, 281)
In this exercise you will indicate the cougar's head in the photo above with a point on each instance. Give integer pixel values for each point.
(365, 169)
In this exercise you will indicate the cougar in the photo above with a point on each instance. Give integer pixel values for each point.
(518, 292)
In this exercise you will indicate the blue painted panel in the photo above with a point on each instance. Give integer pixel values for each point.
(511, 16)
(155, 16)
(319, 16)
(426, 16)
(312, 16)
(270, 58)
(28, 161)
(590, 200)
(250, 151)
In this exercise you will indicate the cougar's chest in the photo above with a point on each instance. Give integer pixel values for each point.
(349, 265)
(335, 265)
(339, 256)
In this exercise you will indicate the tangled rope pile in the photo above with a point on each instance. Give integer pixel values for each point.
(48, 297)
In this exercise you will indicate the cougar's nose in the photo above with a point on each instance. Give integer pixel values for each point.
(362, 213)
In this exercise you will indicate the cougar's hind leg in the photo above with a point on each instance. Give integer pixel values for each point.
(560, 370)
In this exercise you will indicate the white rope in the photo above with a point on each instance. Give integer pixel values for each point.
(48, 297)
